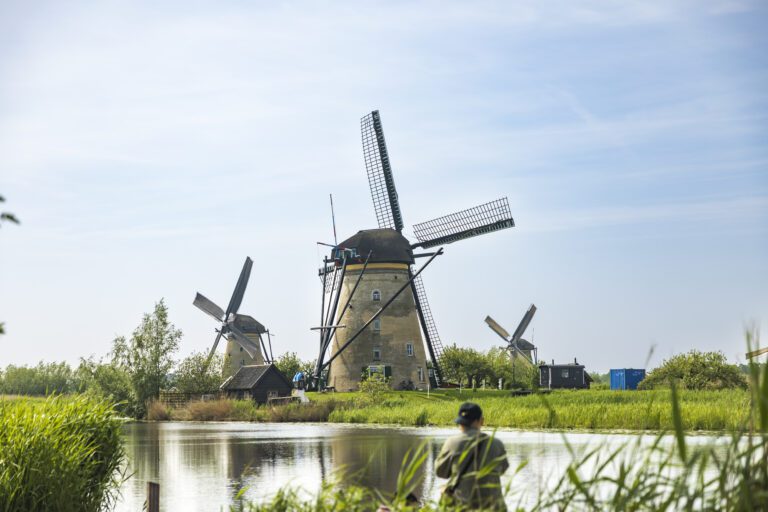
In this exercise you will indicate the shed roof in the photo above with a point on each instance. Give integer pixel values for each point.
(249, 376)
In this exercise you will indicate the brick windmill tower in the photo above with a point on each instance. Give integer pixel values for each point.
(384, 323)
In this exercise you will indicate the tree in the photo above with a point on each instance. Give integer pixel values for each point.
(148, 355)
(43, 379)
(696, 370)
(109, 381)
(460, 363)
(193, 376)
(290, 364)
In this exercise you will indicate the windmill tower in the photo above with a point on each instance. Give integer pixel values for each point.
(386, 324)
(245, 345)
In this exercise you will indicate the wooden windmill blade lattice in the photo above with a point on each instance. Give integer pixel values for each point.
(379, 170)
(468, 223)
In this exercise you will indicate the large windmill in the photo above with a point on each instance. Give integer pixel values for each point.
(368, 274)
(245, 345)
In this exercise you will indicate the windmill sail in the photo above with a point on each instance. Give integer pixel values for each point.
(434, 345)
(379, 171)
(479, 220)
(523, 324)
(497, 328)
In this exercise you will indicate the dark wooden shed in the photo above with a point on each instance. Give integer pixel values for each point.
(564, 376)
(257, 382)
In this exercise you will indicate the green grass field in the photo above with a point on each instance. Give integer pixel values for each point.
(584, 409)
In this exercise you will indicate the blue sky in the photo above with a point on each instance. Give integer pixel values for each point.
(149, 149)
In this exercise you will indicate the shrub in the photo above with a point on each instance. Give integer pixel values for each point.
(59, 454)
(696, 370)
(158, 411)
(213, 410)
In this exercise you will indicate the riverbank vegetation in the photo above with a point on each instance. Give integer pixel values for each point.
(587, 409)
(635, 476)
(59, 453)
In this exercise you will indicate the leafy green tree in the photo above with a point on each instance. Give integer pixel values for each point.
(148, 355)
(193, 376)
(109, 381)
(462, 364)
(289, 364)
(696, 370)
(43, 379)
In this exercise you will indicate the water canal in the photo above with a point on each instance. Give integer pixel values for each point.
(202, 466)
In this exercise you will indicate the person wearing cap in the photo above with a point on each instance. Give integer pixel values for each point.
(464, 454)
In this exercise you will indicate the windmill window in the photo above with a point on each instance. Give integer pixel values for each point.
(241, 349)
(421, 374)
(377, 353)
(564, 374)
(409, 350)
(376, 296)
(377, 324)
(242, 362)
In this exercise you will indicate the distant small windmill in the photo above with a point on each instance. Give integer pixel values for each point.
(515, 343)
(243, 332)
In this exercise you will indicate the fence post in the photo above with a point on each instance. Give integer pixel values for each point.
(153, 497)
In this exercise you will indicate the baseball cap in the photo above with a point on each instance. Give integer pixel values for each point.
(468, 414)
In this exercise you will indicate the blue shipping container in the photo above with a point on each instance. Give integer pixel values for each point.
(626, 378)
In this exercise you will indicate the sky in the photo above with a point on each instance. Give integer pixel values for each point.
(148, 148)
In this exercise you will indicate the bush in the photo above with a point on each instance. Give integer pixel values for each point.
(40, 380)
(59, 454)
(158, 411)
(213, 410)
(696, 370)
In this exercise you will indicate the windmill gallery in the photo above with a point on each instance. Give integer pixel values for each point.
(375, 317)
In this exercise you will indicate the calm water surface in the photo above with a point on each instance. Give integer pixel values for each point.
(202, 466)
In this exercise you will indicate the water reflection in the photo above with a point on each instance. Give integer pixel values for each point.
(203, 466)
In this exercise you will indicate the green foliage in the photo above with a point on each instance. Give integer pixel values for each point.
(7, 217)
(148, 355)
(564, 409)
(192, 375)
(43, 379)
(60, 454)
(108, 381)
(373, 388)
(470, 367)
(695, 370)
(290, 364)
(465, 365)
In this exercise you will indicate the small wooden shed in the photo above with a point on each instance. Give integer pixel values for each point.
(257, 382)
(563, 376)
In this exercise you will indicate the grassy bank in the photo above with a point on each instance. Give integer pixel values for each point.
(588, 409)
(59, 453)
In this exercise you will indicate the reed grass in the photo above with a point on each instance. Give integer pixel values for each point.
(59, 454)
(243, 410)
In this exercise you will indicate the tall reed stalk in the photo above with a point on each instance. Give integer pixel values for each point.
(59, 454)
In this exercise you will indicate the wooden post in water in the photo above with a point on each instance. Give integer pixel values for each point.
(153, 497)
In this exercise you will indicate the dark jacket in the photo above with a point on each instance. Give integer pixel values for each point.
(475, 489)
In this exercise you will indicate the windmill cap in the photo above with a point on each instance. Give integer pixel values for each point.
(385, 246)
(468, 414)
